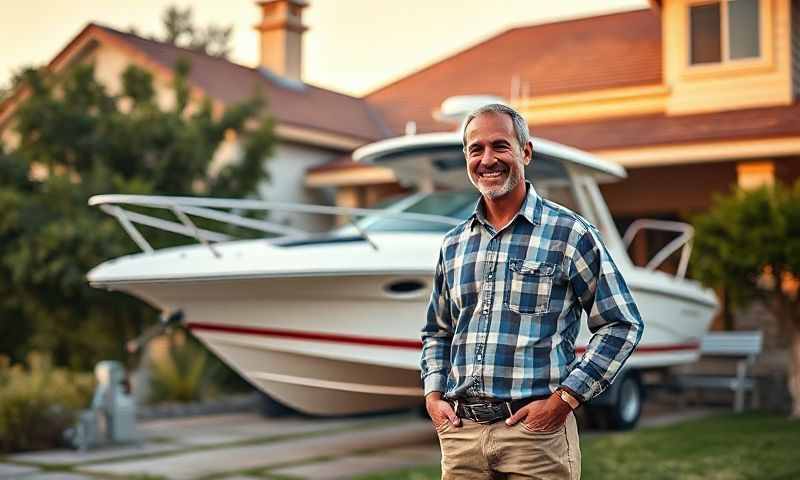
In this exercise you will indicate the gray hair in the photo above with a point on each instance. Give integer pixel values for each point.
(520, 124)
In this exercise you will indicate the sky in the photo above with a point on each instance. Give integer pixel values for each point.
(352, 46)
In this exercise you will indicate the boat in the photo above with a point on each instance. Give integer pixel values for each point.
(329, 324)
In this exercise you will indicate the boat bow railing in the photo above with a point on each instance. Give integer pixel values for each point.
(682, 242)
(224, 210)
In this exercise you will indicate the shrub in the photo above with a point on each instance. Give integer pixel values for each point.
(183, 370)
(38, 401)
(180, 372)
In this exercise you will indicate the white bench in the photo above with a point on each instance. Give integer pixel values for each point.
(744, 347)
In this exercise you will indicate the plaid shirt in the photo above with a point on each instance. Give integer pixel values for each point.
(506, 308)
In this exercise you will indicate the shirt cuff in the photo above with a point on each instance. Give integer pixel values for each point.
(435, 382)
(582, 384)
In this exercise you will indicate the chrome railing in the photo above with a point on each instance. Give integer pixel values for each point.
(215, 209)
(682, 242)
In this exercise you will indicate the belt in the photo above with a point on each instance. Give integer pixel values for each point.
(489, 411)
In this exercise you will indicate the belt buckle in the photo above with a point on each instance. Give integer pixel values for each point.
(482, 412)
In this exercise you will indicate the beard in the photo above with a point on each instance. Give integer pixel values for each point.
(496, 191)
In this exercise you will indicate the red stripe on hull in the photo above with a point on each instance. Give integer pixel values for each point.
(384, 342)
(298, 335)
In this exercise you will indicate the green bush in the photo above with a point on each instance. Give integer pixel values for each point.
(180, 375)
(38, 401)
(187, 372)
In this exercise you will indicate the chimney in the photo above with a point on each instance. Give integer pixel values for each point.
(281, 36)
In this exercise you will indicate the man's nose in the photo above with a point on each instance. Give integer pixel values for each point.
(488, 157)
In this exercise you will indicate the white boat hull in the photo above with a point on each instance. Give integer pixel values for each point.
(340, 344)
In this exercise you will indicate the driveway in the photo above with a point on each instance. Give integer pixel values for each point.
(247, 446)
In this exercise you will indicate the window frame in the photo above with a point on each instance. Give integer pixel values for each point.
(727, 66)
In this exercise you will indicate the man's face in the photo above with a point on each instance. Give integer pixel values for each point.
(495, 161)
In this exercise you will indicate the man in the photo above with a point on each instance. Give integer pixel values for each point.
(498, 360)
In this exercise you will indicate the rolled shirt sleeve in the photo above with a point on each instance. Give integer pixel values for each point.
(613, 318)
(437, 334)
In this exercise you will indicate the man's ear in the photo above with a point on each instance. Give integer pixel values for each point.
(527, 153)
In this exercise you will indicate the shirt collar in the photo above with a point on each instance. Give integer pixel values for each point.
(531, 208)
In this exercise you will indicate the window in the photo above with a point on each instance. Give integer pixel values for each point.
(723, 31)
(453, 204)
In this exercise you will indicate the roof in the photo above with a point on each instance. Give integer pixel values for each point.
(289, 102)
(607, 51)
(292, 103)
(650, 130)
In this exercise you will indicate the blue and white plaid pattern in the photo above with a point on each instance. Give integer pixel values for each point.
(506, 308)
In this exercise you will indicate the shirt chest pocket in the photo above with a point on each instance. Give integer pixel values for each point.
(529, 286)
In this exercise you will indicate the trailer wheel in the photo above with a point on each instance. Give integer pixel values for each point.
(626, 408)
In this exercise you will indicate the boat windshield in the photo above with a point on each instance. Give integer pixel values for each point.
(454, 204)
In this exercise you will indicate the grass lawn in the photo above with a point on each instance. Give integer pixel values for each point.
(726, 447)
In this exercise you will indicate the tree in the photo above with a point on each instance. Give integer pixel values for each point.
(749, 244)
(76, 140)
(180, 30)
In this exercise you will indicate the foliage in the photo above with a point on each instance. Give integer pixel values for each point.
(187, 372)
(182, 373)
(37, 402)
(726, 447)
(76, 139)
(749, 244)
(180, 30)
(745, 235)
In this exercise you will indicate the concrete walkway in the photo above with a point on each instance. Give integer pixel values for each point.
(248, 446)
(242, 446)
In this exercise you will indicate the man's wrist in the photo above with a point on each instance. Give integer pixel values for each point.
(568, 397)
(434, 395)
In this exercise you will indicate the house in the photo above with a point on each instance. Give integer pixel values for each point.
(313, 125)
(691, 96)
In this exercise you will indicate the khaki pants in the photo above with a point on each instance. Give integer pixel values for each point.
(477, 451)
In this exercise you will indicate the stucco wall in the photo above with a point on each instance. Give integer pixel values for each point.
(109, 65)
(287, 169)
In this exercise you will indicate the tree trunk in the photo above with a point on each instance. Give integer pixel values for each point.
(794, 366)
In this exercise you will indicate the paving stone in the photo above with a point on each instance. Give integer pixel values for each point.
(217, 429)
(203, 463)
(76, 457)
(58, 476)
(9, 471)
